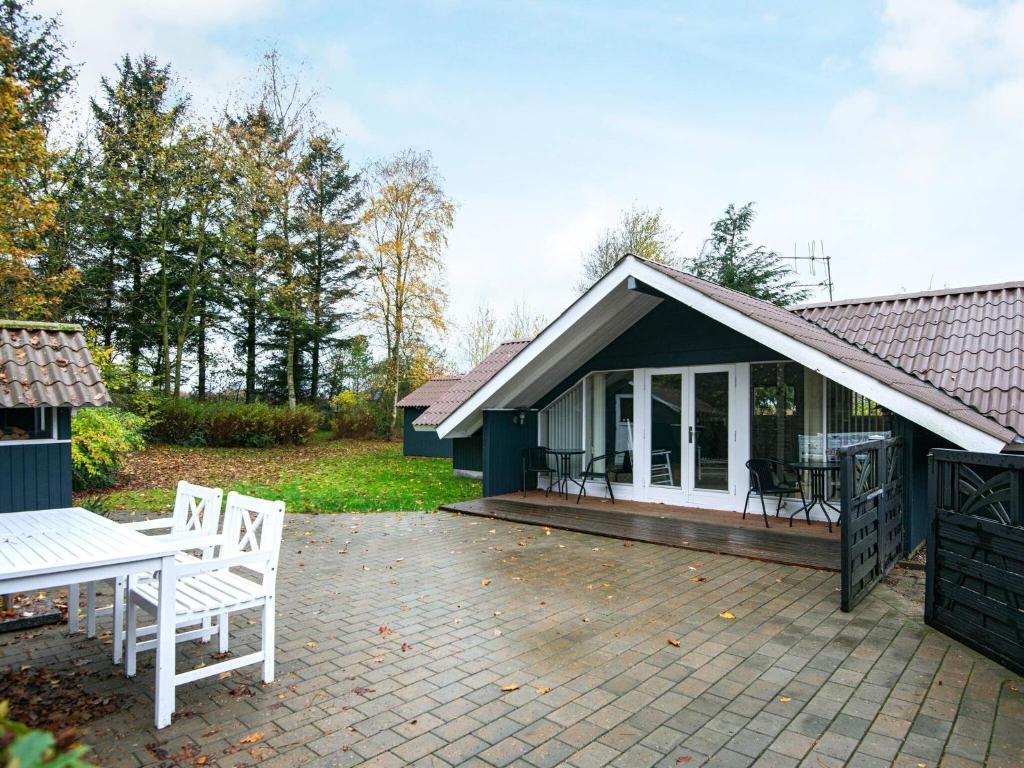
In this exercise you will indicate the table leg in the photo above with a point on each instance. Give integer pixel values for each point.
(72, 609)
(165, 630)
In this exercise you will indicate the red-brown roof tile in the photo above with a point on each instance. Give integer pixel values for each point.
(461, 390)
(428, 394)
(966, 342)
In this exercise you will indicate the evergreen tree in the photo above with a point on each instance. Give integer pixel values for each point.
(328, 208)
(730, 259)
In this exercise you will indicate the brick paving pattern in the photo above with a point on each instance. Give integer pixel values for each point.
(581, 624)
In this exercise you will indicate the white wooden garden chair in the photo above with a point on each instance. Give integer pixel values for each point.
(194, 519)
(209, 589)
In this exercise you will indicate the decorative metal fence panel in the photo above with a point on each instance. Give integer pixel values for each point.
(871, 502)
(975, 571)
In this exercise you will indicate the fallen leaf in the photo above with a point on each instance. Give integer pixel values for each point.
(785, 699)
(201, 760)
(699, 579)
(384, 631)
(726, 615)
(509, 688)
(673, 642)
(486, 582)
(405, 647)
(252, 738)
(542, 691)
(683, 759)
(311, 644)
(627, 544)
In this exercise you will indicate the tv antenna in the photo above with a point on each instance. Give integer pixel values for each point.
(816, 261)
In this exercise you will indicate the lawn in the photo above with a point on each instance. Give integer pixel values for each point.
(323, 476)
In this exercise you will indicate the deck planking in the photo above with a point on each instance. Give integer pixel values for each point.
(723, 533)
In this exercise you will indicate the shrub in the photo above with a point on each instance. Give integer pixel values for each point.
(26, 747)
(227, 424)
(355, 416)
(100, 439)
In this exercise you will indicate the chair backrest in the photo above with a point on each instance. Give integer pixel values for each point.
(254, 525)
(196, 509)
(764, 471)
(536, 458)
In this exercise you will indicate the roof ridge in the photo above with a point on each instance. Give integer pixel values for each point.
(39, 325)
(956, 291)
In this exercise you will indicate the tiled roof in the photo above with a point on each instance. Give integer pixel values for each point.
(426, 395)
(463, 389)
(793, 324)
(47, 364)
(966, 342)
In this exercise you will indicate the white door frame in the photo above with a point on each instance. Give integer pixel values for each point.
(688, 494)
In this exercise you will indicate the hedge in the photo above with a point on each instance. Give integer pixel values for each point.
(228, 424)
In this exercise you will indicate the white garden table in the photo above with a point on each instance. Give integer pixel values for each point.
(52, 548)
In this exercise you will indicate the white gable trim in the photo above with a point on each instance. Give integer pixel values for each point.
(930, 418)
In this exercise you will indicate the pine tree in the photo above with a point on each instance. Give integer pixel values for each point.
(730, 259)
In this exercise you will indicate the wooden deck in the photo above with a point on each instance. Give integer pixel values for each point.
(701, 529)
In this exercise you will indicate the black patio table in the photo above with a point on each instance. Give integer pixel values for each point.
(818, 471)
(565, 456)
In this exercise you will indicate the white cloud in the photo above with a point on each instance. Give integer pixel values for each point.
(929, 40)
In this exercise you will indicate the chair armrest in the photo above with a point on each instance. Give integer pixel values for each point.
(190, 540)
(247, 559)
(150, 525)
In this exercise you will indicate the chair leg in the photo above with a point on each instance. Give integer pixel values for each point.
(745, 503)
(223, 624)
(90, 609)
(580, 494)
(764, 512)
(131, 641)
(608, 483)
(267, 641)
(118, 614)
(73, 609)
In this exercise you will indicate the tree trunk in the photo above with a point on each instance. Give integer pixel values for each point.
(314, 373)
(201, 351)
(250, 350)
(290, 367)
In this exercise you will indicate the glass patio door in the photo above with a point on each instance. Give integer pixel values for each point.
(689, 435)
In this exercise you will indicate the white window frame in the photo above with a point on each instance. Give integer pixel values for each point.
(53, 438)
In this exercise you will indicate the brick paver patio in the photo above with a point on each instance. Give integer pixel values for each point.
(397, 632)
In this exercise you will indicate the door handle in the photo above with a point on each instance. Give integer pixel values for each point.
(691, 435)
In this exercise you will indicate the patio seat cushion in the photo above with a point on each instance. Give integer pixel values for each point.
(204, 592)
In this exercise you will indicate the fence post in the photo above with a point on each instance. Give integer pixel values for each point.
(932, 538)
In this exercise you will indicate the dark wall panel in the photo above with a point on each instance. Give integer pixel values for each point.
(418, 443)
(917, 443)
(468, 453)
(35, 476)
(670, 334)
(503, 443)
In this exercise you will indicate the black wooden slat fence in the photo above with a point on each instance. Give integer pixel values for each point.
(871, 500)
(975, 576)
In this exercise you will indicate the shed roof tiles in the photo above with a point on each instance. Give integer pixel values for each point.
(463, 389)
(47, 364)
(426, 395)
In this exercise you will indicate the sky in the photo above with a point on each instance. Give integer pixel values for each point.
(890, 131)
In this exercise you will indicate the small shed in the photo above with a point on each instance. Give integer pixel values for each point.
(420, 443)
(45, 373)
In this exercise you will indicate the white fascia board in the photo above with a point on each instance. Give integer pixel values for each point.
(465, 419)
(930, 418)
(468, 414)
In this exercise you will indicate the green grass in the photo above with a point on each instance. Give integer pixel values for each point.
(325, 476)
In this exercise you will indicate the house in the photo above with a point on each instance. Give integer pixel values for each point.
(680, 381)
(45, 373)
(413, 405)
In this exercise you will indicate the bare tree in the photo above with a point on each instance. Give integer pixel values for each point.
(641, 232)
(405, 232)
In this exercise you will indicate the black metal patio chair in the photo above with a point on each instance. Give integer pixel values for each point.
(769, 477)
(606, 460)
(537, 461)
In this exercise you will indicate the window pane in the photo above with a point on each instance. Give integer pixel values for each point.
(711, 430)
(779, 410)
(25, 423)
(610, 424)
(666, 429)
(853, 418)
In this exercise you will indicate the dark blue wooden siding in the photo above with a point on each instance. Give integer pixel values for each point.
(468, 453)
(917, 444)
(35, 476)
(504, 441)
(417, 443)
(671, 334)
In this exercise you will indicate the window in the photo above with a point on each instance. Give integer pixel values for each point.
(26, 424)
(785, 407)
(610, 423)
